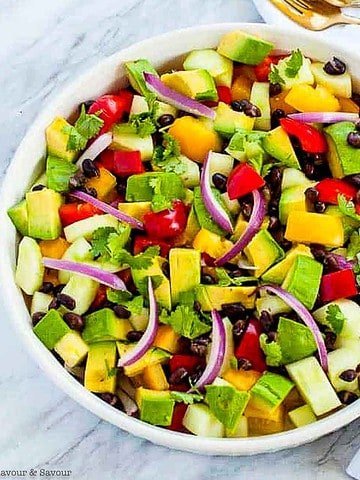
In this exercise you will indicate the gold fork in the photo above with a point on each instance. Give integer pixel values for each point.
(314, 15)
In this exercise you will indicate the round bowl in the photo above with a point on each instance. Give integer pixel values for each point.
(28, 162)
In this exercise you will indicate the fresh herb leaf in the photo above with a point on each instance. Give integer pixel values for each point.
(118, 296)
(354, 246)
(108, 241)
(142, 285)
(86, 127)
(99, 241)
(335, 318)
(167, 156)
(185, 321)
(225, 280)
(294, 63)
(187, 398)
(187, 298)
(347, 208)
(138, 262)
(275, 76)
(159, 201)
(143, 124)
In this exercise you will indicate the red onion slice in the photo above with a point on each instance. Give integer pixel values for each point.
(255, 222)
(148, 338)
(217, 353)
(101, 276)
(97, 147)
(305, 316)
(167, 95)
(325, 117)
(212, 205)
(105, 207)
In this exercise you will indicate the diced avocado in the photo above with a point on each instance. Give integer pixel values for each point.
(191, 230)
(85, 228)
(135, 209)
(140, 188)
(313, 385)
(294, 342)
(233, 206)
(197, 84)
(200, 421)
(343, 158)
(29, 268)
(260, 97)
(228, 121)
(19, 217)
(83, 290)
(135, 71)
(220, 163)
(226, 402)
(244, 48)
(263, 251)
(162, 292)
(339, 85)
(303, 76)
(277, 144)
(240, 431)
(185, 271)
(57, 140)
(272, 304)
(51, 329)
(43, 214)
(154, 356)
(204, 218)
(140, 105)
(339, 361)
(302, 416)
(155, 407)
(294, 178)
(303, 280)
(214, 296)
(58, 173)
(79, 251)
(219, 67)
(292, 199)
(72, 349)
(103, 325)
(41, 180)
(40, 302)
(278, 272)
(349, 223)
(125, 137)
(248, 146)
(345, 325)
(188, 171)
(230, 347)
(270, 391)
(140, 320)
(100, 365)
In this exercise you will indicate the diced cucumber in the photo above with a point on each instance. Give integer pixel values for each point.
(339, 85)
(79, 251)
(302, 416)
(292, 199)
(304, 75)
(219, 67)
(340, 360)
(294, 178)
(82, 290)
(19, 217)
(85, 228)
(351, 312)
(260, 96)
(191, 175)
(233, 206)
(40, 302)
(200, 421)
(241, 430)
(273, 305)
(313, 385)
(220, 163)
(125, 137)
(72, 349)
(140, 105)
(139, 321)
(30, 268)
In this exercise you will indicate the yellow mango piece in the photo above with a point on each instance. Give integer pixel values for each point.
(276, 415)
(263, 426)
(245, 71)
(195, 137)
(243, 380)
(154, 378)
(306, 227)
(135, 209)
(103, 184)
(167, 339)
(278, 102)
(241, 88)
(211, 243)
(306, 98)
(348, 105)
(54, 248)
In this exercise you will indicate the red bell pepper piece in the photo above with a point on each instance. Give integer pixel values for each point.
(189, 362)
(330, 188)
(141, 243)
(262, 70)
(122, 163)
(208, 260)
(74, 212)
(311, 140)
(249, 347)
(224, 94)
(100, 298)
(112, 108)
(340, 284)
(243, 180)
(168, 223)
(177, 418)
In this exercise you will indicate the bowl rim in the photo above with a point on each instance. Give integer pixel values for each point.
(57, 373)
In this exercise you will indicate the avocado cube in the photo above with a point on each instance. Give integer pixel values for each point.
(200, 421)
(197, 84)
(125, 137)
(140, 188)
(162, 292)
(185, 271)
(343, 158)
(104, 325)
(100, 374)
(135, 71)
(303, 280)
(154, 356)
(57, 140)
(72, 349)
(204, 218)
(43, 214)
(155, 407)
(270, 391)
(302, 416)
(244, 48)
(278, 272)
(19, 217)
(277, 144)
(228, 121)
(214, 296)
(263, 251)
(51, 329)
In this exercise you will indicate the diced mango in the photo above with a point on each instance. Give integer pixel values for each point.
(264, 426)
(306, 98)
(135, 209)
(196, 138)
(103, 184)
(348, 105)
(278, 102)
(167, 339)
(242, 379)
(241, 88)
(54, 248)
(245, 71)
(154, 378)
(276, 415)
(306, 227)
(211, 243)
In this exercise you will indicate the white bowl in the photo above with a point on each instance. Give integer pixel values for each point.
(28, 163)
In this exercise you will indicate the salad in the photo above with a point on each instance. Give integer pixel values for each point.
(191, 252)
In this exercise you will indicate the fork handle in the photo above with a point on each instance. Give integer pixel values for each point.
(348, 20)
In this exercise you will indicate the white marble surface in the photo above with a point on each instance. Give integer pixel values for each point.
(44, 44)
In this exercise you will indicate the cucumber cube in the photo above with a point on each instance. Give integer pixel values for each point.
(302, 416)
(200, 421)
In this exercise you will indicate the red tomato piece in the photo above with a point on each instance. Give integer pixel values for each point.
(141, 243)
(189, 362)
(249, 347)
(243, 180)
(74, 212)
(224, 94)
(112, 108)
(330, 188)
(311, 140)
(340, 284)
(168, 223)
(177, 418)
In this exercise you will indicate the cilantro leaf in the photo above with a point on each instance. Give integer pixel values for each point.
(275, 76)
(86, 127)
(107, 241)
(335, 318)
(118, 296)
(294, 63)
(142, 285)
(347, 208)
(354, 245)
(139, 262)
(187, 298)
(187, 398)
(225, 280)
(143, 124)
(100, 240)
(185, 322)
(167, 156)
(159, 201)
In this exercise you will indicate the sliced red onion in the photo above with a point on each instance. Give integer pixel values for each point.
(129, 405)
(149, 335)
(105, 207)
(217, 352)
(255, 222)
(325, 117)
(212, 205)
(97, 147)
(340, 262)
(305, 316)
(176, 99)
(101, 276)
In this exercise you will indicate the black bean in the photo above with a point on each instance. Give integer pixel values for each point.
(354, 179)
(90, 169)
(197, 306)
(273, 207)
(121, 311)
(38, 187)
(357, 198)
(275, 89)
(178, 376)
(266, 321)
(276, 115)
(54, 304)
(274, 178)
(134, 335)
(274, 223)
(59, 288)
(247, 107)
(246, 209)
(47, 287)
(166, 120)
(356, 98)
(357, 126)
(199, 345)
(319, 207)
(75, 321)
(219, 181)
(238, 105)
(312, 194)
(358, 369)
(194, 377)
(239, 328)
(330, 339)
(207, 279)
(319, 252)
(67, 301)
(36, 317)
(347, 398)
(309, 170)
(253, 112)
(121, 188)
(335, 67)
(353, 139)
(77, 181)
(348, 375)
(110, 398)
(244, 364)
(235, 311)
(90, 191)
(87, 104)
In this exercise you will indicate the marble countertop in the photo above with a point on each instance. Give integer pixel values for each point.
(44, 45)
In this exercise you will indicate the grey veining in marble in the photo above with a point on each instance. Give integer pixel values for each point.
(44, 44)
